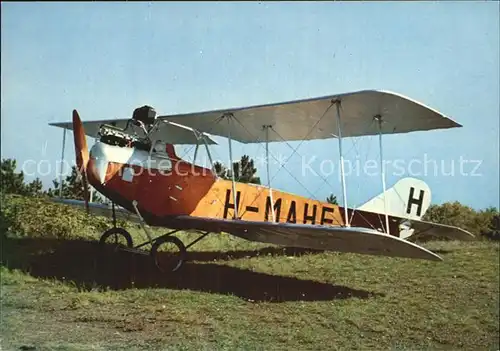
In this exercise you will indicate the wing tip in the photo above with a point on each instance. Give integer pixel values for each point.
(434, 257)
(468, 235)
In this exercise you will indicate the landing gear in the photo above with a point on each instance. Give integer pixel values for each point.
(168, 253)
(118, 237)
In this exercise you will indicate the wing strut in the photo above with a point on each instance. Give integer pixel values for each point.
(209, 155)
(378, 118)
(229, 117)
(62, 163)
(344, 190)
(266, 127)
(196, 151)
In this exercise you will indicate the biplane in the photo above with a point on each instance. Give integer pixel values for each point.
(134, 164)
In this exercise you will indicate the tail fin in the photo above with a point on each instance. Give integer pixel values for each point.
(408, 198)
(82, 154)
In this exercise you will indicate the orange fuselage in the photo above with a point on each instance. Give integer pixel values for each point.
(165, 186)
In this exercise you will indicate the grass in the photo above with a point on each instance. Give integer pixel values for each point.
(232, 294)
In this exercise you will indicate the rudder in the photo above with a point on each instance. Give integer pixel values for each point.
(409, 198)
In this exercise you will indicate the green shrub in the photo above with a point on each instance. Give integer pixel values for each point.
(39, 217)
(494, 232)
(481, 223)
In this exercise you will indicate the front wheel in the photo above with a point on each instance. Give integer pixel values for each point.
(168, 253)
(117, 237)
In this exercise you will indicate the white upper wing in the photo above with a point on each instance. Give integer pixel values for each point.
(317, 118)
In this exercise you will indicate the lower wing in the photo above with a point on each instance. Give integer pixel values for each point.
(100, 209)
(342, 239)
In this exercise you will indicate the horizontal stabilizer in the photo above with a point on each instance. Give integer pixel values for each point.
(441, 230)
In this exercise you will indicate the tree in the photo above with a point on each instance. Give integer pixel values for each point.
(13, 183)
(244, 171)
(221, 170)
(332, 199)
(491, 218)
(35, 188)
(495, 227)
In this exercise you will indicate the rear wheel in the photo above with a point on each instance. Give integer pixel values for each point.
(168, 253)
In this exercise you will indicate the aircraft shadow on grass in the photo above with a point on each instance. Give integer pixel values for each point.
(89, 265)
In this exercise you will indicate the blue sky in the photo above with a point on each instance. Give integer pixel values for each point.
(105, 59)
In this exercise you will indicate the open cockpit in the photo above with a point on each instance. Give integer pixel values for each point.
(136, 133)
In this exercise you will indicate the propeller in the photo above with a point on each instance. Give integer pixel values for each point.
(82, 155)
